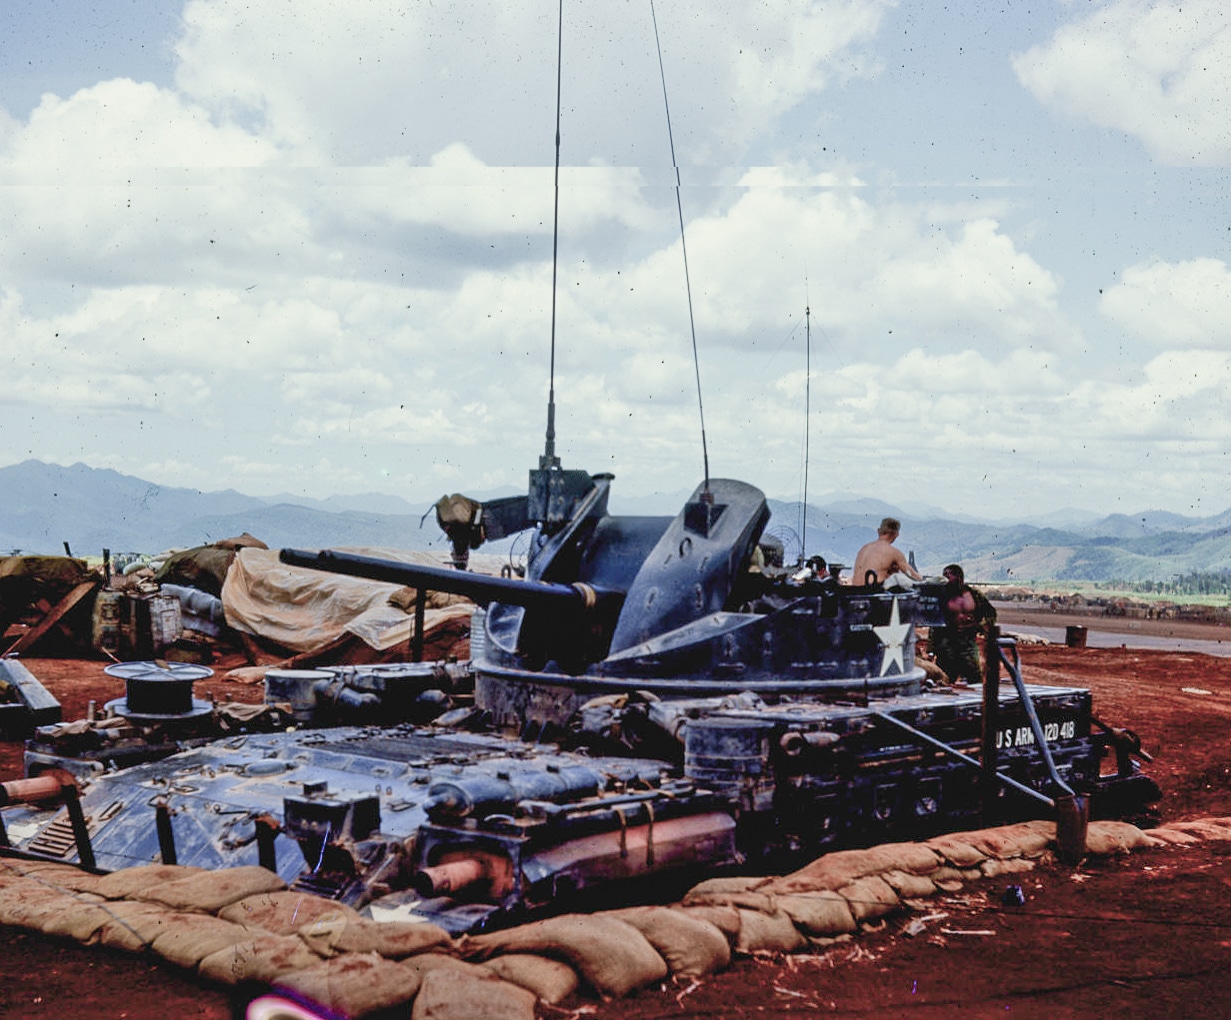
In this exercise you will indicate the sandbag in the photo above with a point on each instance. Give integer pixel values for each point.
(1025, 839)
(727, 884)
(121, 885)
(760, 901)
(821, 913)
(834, 870)
(211, 891)
(76, 920)
(423, 964)
(444, 996)
(186, 939)
(870, 898)
(610, 954)
(285, 912)
(957, 849)
(394, 940)
(31, 904)
(1210, 828)
(550, 980)
(724, 918)
(909, 886)
(1175, 834)
(204, 567)
(264, 959)
(1201, 828)
(960, 874)
(952, 879)
(1116, 838)
(11, 878)
(691, 946)
(62, 876)
(14, 888)
(767, 933)
(134, 925)
(1013, 866)
(352, 985)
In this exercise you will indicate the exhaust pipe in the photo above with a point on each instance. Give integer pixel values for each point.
(449, 879)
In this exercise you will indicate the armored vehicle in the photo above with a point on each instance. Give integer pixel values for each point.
(656, 696)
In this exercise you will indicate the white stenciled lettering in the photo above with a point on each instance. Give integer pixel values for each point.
(1023, 736)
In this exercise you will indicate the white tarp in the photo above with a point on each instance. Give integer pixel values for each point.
(303, 609)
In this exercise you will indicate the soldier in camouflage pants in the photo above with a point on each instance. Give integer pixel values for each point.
(967, 614)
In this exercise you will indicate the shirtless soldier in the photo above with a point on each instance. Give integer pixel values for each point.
(881, 557)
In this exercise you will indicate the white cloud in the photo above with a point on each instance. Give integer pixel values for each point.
(1174, 305)
(125, 183)
(1160, 72)
(8, 127)
(323, 259)
(123, 124)
(893, 274)
(460, 193)
(353, 83)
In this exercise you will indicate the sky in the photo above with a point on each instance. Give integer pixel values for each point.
(307, 247)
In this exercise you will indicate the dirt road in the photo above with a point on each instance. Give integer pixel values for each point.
(1009, 614)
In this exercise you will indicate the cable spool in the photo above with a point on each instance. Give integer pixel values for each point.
(158, 693)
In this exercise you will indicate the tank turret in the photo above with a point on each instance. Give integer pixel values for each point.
(681, 607)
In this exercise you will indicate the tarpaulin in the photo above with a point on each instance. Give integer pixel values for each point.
(304, 609)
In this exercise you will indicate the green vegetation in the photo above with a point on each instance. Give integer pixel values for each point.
(1213, 588)
(1195, 589)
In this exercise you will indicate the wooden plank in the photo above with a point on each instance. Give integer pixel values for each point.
(37, 707)
(24, 642)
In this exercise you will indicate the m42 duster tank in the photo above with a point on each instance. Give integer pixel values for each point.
(786, 704)
(656, 696)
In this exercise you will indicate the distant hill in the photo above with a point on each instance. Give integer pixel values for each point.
(366, 502)
(44, 505)
(1153, 548)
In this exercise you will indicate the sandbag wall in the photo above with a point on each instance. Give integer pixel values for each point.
(243, 927)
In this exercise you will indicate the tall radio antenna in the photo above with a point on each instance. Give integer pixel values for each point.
(696, 363)
(549, 458)
(803, 509)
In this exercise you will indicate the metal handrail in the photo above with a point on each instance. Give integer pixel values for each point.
(1015, 671)
(973, 762)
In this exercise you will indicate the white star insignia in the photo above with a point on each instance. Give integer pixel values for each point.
(893, 637)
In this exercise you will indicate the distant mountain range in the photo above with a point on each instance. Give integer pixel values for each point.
(43, 506)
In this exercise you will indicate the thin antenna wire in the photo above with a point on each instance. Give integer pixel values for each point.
(803, 510)
(549, 458)
(696, 363)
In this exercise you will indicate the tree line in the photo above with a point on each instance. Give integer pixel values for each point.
(1198, 582)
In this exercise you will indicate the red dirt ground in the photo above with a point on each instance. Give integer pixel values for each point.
(1148, 935)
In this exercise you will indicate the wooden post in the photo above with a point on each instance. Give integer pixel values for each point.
(267, 829)
(81, 830)
(420, 613)
(991, 724)
(166, 834)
